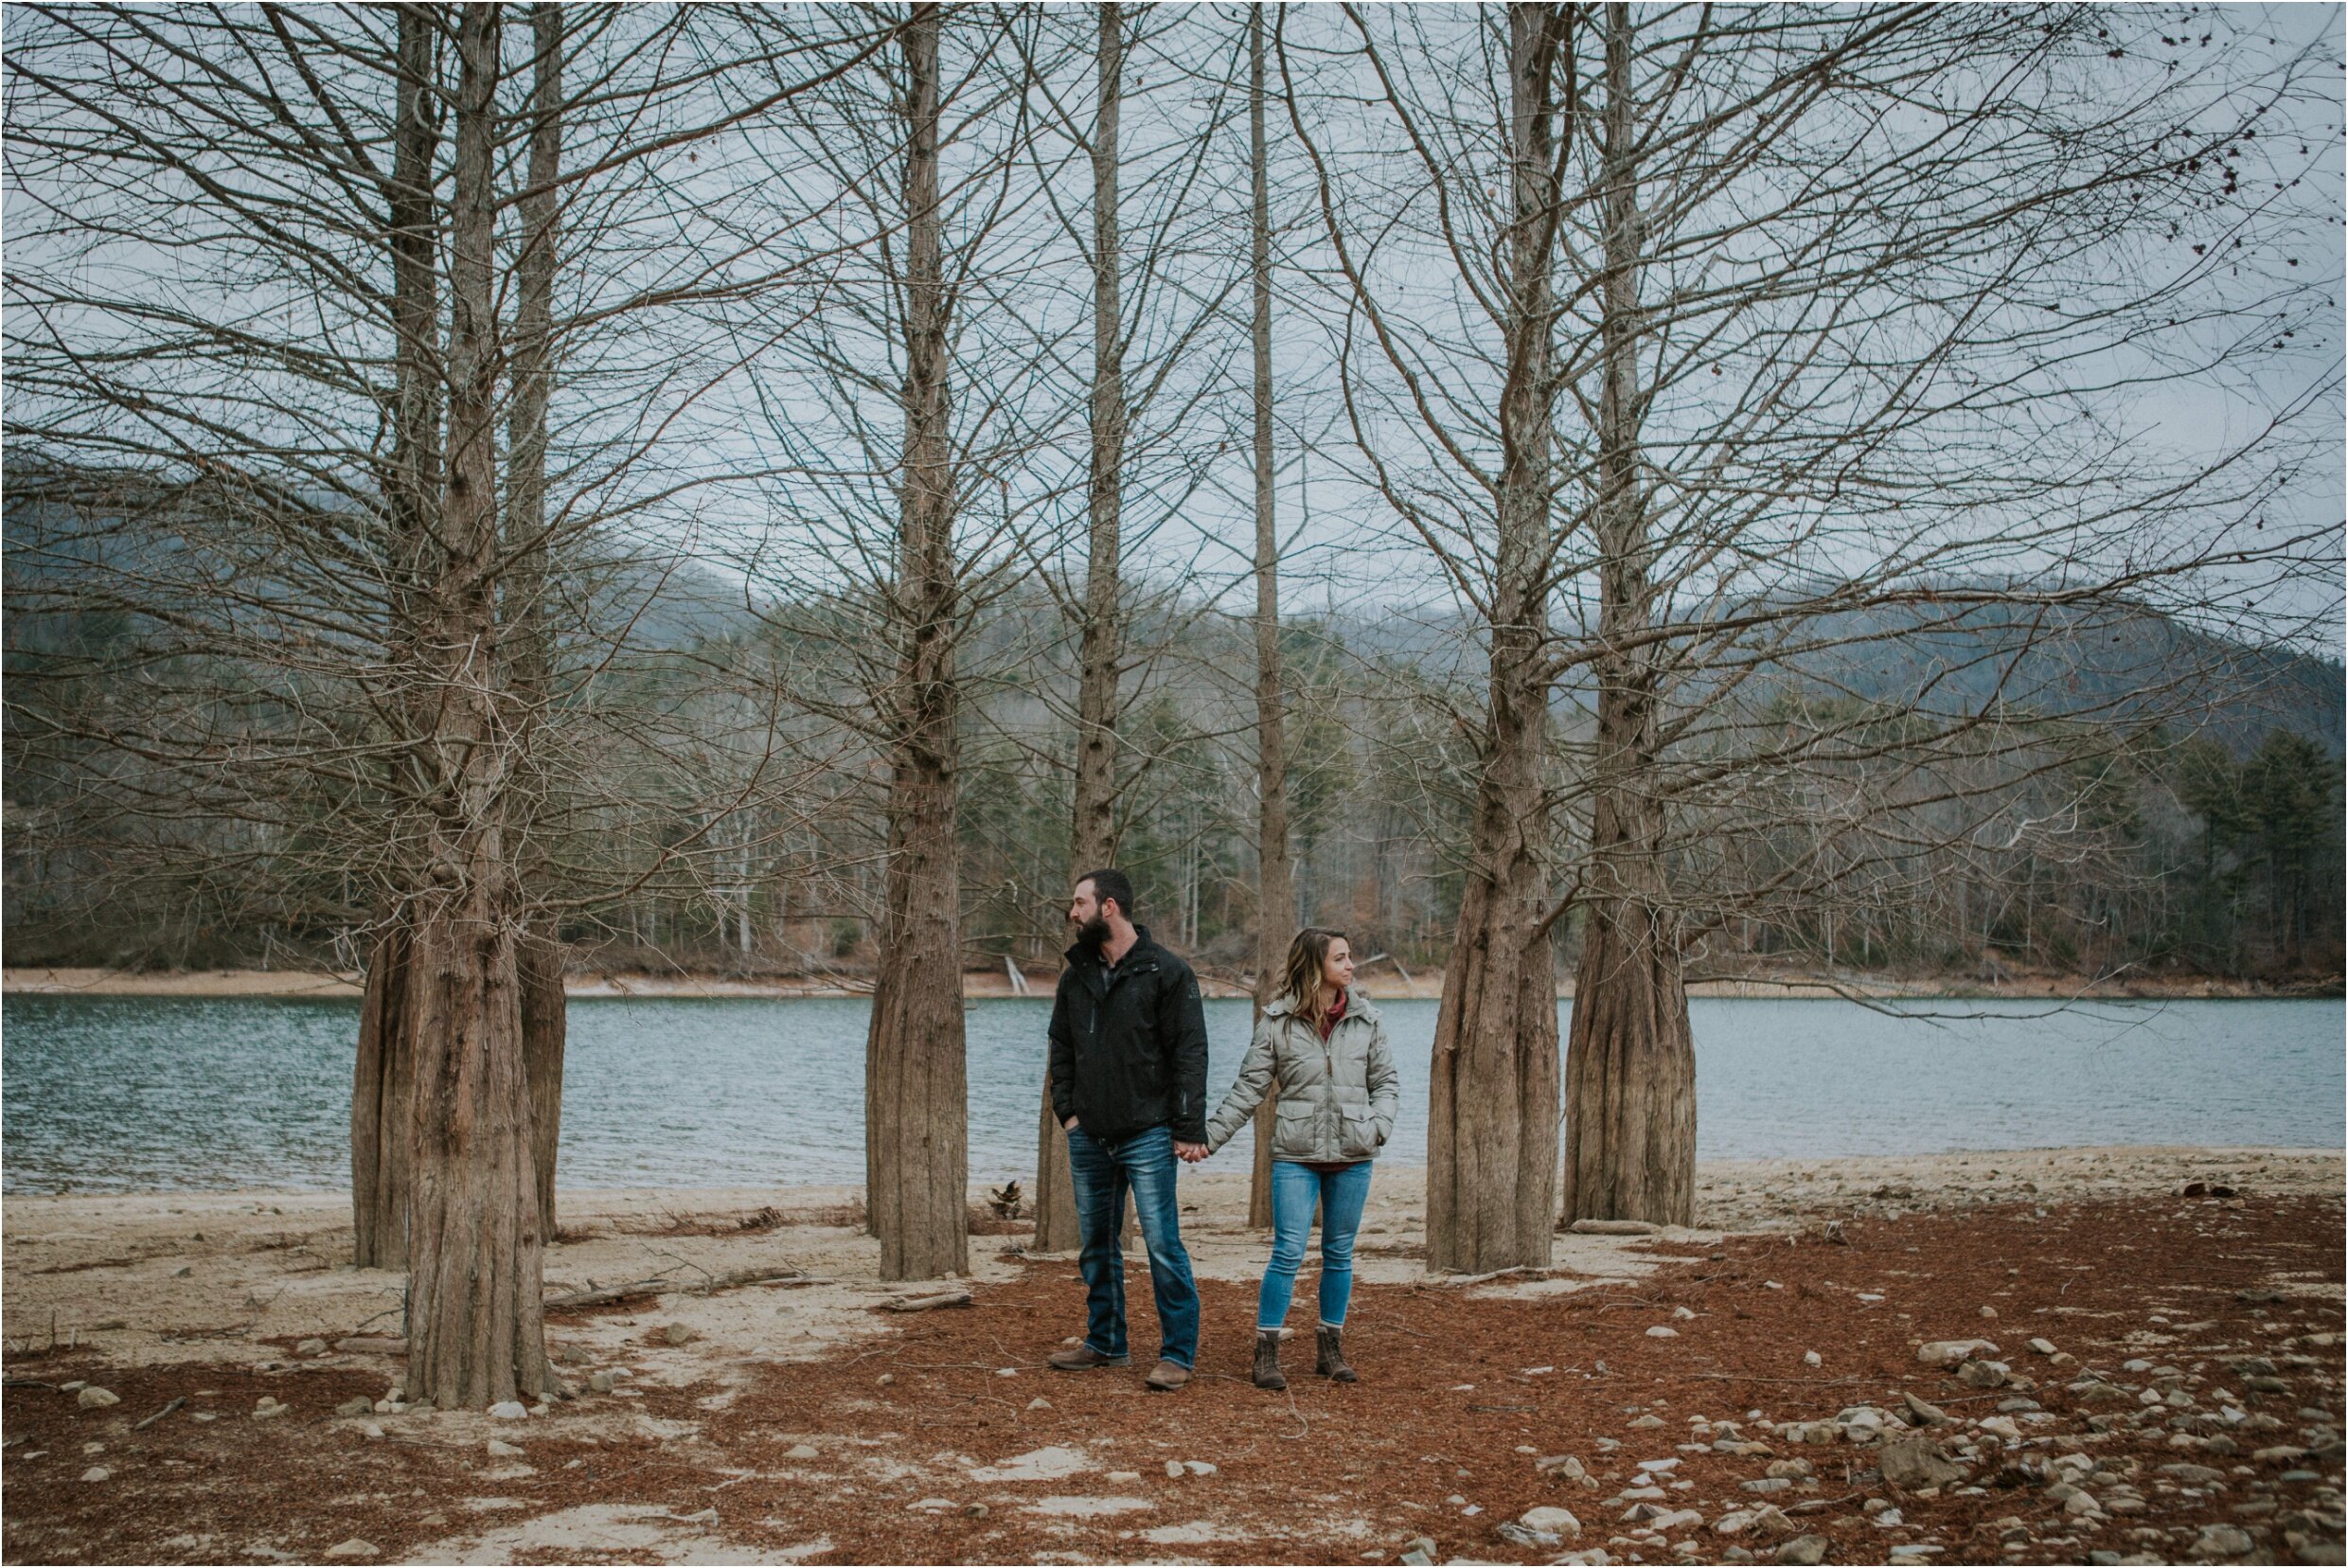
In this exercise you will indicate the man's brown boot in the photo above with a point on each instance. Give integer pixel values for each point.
(1167, 1377)
(1268, 1360)
(1082, 1359)
(1330, 1363)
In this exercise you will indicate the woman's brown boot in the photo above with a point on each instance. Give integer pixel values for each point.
(1268, 1360)
(1330, 1363)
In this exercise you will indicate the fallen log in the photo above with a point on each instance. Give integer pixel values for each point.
(668, 1285)
(923, 1304)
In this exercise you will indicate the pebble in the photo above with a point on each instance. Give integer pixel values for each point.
(801, 1451)
(2043, 1347)
(677, 1333)
(1990, 1313)
(1174, 1472)
(1683, 1314)
(90, 1396)
(1646, 1423)
(602, 1382)
(357, 1405)
(369, 1429)
(499, 1450)
(1659, 1331)
(1039, 1402)
(509, 1410)
(98, 1472)
(354, 1547)
(1765, 1486)
(1982, 1374)
(311, 1348)
(1124, 1478)
(1923, 1414)
(269, 1409)
(1949, 1352)
(1811, 1357)
(2001, 1426)
(1805, 1550)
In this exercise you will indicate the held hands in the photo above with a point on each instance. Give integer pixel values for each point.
(1189, 1153)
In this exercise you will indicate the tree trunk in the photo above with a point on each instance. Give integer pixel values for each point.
(545, 1016)
(915, 1068)
(1092, 836)
(528, 637)
(380, 1102)
(1492, 1098)
(381, 1106)
(1630, 1065)
(474, 1331)
(1275, 898)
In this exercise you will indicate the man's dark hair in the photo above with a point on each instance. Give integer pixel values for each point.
(1108, 885)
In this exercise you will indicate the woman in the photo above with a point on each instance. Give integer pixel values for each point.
(1321, 1041)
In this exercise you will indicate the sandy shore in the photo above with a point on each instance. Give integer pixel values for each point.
(197, 1275)
(1383, 985)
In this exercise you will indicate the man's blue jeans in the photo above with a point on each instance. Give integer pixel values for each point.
(1103, 1173)
(1294, 1191)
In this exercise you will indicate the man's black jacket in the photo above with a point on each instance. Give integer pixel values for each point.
(1128, 1045)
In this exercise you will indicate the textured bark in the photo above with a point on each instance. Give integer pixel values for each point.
(1492, 1095)
(474, 1246)
(1631, 1063)
(1056, 1192)
(916, 1131)
(1092, 835)
(545, 1017)
(380, 1101)
(381, 1106)
(1275, 898)
(528, 634)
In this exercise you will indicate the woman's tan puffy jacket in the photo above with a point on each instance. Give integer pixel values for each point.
(1338, 1095)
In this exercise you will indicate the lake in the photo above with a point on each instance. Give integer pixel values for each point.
(148, 1094)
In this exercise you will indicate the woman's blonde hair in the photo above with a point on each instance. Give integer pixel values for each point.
(1301, 982)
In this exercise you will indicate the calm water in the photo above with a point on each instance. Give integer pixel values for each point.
(129, 1094)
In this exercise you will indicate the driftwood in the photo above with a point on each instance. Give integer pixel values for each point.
(159, 1414)
(668, 1285)
(372, 1345)
(923, 1304)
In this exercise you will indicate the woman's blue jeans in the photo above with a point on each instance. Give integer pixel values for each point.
(1295, 1190)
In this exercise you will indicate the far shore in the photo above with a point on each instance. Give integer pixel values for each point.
(985, 984)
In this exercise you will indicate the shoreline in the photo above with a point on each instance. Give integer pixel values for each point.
(991, 984)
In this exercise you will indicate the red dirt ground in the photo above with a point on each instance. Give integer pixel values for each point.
(1447, 1409)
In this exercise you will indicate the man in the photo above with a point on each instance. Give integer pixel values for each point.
(1129, 1082)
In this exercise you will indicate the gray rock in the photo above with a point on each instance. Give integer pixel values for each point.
(501, 1450)
(801, 1451)
(1550, 1519)
(602, 1382)
(98, 1472)
(91, 1397)
(2192, 1475)
(1922, 1414)
(311, 1348)
(357, 1405)
(1420, 1552)
(509, 1410)
(1914, 1463)
(1805, 1550)
(1763, 1487)
(354, 1547)
(1516, 1535)
(1982, 1374)
(677, 1333)
(2223, 1540)
(1949, 1352)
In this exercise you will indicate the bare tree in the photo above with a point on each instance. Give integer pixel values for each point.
(1275, 898)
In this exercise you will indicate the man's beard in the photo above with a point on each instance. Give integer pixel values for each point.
(1094, 934)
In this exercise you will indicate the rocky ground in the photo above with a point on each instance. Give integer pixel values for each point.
(2056, 1356)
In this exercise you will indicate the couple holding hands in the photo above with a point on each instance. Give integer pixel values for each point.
(1128, 1083)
